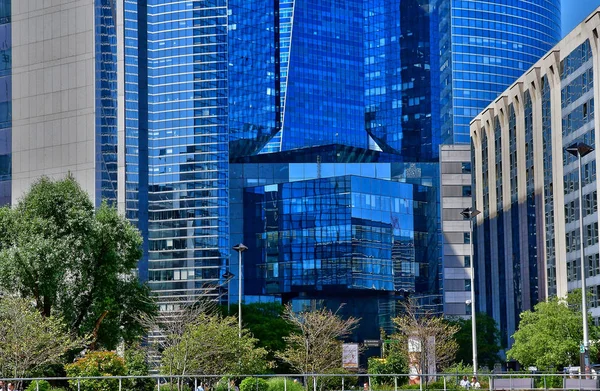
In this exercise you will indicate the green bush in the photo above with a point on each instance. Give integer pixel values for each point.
(439, 385)
(254, 384)
(173, 387)
(96, 364)
(390, 365)
(335, 382)
(41, 385)
(58, 389)
(277, 384)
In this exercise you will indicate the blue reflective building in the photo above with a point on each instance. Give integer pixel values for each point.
(309, 130)
(484, 47)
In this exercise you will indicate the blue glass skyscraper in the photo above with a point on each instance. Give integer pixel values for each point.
(485, 46)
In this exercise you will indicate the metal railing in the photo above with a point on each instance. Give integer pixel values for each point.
(334, 382)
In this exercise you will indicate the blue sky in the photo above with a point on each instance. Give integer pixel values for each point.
(574, 11)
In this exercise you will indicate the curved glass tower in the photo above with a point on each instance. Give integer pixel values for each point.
(485, 46)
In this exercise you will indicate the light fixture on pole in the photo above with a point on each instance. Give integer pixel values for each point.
(579, 150)
(240, 248)
(470, 213)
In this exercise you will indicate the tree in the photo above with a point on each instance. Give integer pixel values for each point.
(210, 345)
(430, 337)
(316, 345)
(28, 341)
(549, 336)
(74, 261)
(488, 340)
(265, 323)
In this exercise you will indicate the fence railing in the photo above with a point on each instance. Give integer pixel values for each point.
(318, 382)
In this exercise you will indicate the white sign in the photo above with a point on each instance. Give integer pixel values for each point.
(350, 356)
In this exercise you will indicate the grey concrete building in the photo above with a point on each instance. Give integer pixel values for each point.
(526, 183)
(455, 178)
(64, 95)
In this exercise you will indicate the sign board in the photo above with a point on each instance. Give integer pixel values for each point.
(350, 356)
(581, 349)
(372, 342)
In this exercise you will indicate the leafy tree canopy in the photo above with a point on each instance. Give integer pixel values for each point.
(74, 261)
(212, 345)
(488, 340)
(549, 336)
(265, 323)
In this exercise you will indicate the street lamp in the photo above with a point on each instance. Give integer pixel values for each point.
(240, 248)
(470, 213)
(580, 150)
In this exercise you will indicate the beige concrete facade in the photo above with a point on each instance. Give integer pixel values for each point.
(53, 92)
(525, 243)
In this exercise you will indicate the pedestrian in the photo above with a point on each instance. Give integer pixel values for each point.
(2, 385)
(464, 383)
(366, 387)
(11, 387)
(232, 385)
(200, 388)
(475, 383)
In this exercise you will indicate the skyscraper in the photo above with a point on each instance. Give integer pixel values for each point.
(531, 241)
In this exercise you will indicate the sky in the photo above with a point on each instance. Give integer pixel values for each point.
(574, 11)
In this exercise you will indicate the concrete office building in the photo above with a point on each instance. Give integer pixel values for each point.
(64, 95)
(484, 46)
(526, 183)
(455, 192)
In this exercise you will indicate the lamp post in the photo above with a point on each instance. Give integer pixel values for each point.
(580, 150)
(470, 213)
(240, 248)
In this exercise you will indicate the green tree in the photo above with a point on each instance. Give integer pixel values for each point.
(28, 341)
(211, 345)
(265, 323)
(316, 345)
(74, 261)
(550, 335)
(488, 340)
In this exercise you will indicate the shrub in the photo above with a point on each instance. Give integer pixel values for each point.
(254, 384)
(393, 364)
(41, 385)
(277, 384)
(335, 382)
(58, 389)
(173, 387)
(96, 364)
(439, 385)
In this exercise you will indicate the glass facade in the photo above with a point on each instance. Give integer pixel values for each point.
(577, 108)
(331, 230)
(177, 143)
(106, 101)
(486, 45)
(5, 103)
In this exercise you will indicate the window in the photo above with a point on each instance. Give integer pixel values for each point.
(467, 237)
(466, 167)
(466, 191)
(467, 285)
(467, 261)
